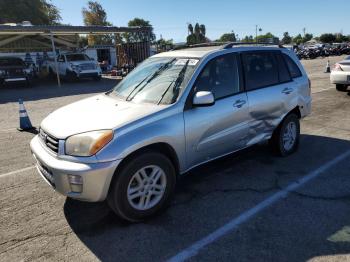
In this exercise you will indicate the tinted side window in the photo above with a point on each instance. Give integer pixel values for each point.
(259, 70)
(220, 76)
(293, 68)
(282, 69)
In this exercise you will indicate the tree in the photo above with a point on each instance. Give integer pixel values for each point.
(164, 45)
(287, 39)
(298, 39)
(139, 37)
(307, 37)
(228, 37)
(202, 29)
(327, 38)
(38, 12)
(93, 15)
(266, 37)
(340, 38)
(248, 39)
(197, 35)
(190, 29)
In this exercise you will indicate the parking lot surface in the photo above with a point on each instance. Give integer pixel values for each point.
(307, 222)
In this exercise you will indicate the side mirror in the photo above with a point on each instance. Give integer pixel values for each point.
(203, 98)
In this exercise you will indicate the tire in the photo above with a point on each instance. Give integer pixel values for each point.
(70, 76)
(134, 209)
(284, 147)
(341, 88)
(29, 83)
(97, 78)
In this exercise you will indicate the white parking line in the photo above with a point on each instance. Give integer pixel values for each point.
(234, 223)
(17, 171)
(322, 90)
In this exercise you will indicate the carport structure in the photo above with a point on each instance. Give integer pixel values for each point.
(55, 35)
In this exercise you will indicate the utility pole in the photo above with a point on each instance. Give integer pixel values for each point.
(256, 33)
(304, 30)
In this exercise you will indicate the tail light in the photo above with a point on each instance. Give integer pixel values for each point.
(337, 67)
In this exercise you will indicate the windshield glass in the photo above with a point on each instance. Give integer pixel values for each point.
(9, 61)
(77, 57)
(157, 80)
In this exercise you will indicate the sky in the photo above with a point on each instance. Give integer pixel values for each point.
(170, 18)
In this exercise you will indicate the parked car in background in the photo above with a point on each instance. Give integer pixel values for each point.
(14, 70)
(76, 66)
(340, 75)
(173, 112)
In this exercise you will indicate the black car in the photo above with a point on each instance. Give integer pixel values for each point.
(13, 70)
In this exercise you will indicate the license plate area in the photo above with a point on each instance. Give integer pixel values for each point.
(47, 174)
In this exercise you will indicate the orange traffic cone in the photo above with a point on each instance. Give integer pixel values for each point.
(24, 121)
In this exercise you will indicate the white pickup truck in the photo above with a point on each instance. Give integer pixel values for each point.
(75, 66)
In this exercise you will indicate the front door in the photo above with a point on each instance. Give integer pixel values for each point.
(219, 129)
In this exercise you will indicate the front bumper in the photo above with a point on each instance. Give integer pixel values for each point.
(96, 177)
(340, 77)
(88, 73)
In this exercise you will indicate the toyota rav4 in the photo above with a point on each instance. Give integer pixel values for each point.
(173, 112)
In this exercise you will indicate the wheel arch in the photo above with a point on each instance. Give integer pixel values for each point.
(161, 147)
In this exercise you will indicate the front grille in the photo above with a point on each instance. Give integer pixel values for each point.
(50, 141)
(15, 72)
(87, 67)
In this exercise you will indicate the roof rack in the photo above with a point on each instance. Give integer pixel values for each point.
(200, 45)
(232, 44)
(227, 45)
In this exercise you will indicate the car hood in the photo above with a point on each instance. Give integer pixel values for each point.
(94, 113)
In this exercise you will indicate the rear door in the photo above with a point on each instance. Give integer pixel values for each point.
(270, 90)
(216, 130)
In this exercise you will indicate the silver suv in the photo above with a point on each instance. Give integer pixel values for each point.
(175, 111)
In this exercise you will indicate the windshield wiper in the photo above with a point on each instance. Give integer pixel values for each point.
(150, 78)
(178, 82)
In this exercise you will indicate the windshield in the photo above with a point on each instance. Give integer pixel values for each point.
(11, 61)
(77, 57)
(157, 80)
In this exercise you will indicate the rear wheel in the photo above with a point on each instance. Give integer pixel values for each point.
(285, 139)
(341, 88)
(142, 187)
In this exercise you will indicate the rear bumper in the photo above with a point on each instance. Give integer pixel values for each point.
(96, 177)
(340, 77)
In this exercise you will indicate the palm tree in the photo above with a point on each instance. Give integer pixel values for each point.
(202, 29)
(190, 29)
(197, 30)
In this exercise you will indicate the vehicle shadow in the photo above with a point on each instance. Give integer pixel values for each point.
(47, 88)
(209, 196)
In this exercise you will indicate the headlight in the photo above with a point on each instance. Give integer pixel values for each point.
(88, 144)
(27, 71)
(74, 67)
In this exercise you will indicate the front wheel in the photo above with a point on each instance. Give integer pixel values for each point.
(142, 187)
(285, 139)
(341, 88)
(97, 78)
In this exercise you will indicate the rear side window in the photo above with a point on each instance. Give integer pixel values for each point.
(293, 68)
(282, 69)
(220, 76)
(259, 70)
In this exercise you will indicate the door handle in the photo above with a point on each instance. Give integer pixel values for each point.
(287, 90)
(239, 103)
